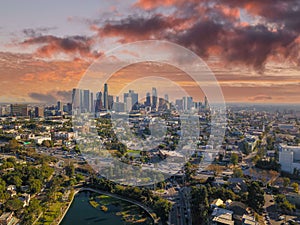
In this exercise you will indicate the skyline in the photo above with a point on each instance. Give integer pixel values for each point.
(252, 47)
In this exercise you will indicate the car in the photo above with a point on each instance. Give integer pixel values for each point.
(281, 217)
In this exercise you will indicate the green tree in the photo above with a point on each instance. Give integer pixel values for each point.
(295, 186)
(256, 198)
(15, 179)
(286, 181)
(237, 172)
(35, 185)
(14, 204)
(199, 204)
(234, 159)
(70, 170)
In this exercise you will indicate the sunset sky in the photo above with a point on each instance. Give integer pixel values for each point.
(252, 47)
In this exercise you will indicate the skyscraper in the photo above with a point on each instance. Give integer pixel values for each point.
(130, 99)
(99, 103)
(105, 96)
(206, 103)
(92, 103)
(148, 99)
(154, 98)
(38, 111)
(19, 109)
(86, 100)
(75, 98)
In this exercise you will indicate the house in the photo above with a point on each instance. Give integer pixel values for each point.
(25, 198)
(248, 220)
(8, 218)
(228, 202)
(222, 217)
(12, 190)
(216, 203)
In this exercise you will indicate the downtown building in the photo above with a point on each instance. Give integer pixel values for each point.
(19, 109)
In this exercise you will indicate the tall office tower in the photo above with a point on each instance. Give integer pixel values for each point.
(99, 103)
(75, 98)
(92, 103)
(167, 97)
(184, 103)
(38, 111)
(154, 98)
(81, 101)
(131, 100)
(179, 104)
(59, 106)
(206, 106)
(105, 96)
(148, 99)
(190, 102)
(110, 102)
(86, 101)
(19, 109)
(128, 103)
(162, 104)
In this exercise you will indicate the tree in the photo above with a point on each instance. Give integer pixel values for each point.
(286, 181)
(234, 159)
(15, 179)
(199, 204)
(35, 185)
(13, 144)
(295, 186)
(237, 172)
(256, 198)
(14, 204)
(162, 207)
(70, 170)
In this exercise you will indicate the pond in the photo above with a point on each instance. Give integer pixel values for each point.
(91, 208)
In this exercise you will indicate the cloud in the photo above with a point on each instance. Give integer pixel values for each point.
(136, 28)
(216, 28)
(260, 98)
(64, 95)
(74, 46)
(51, 96)
(45, 98)
(35, 32)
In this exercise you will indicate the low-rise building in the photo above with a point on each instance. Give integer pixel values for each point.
(222, 216)
(248, 220)
(8, 218)
(289, 158)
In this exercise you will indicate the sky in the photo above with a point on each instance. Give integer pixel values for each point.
(252, 47)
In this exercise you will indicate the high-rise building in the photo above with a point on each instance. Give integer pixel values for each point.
(179, 104)
(92, 103)
(19, 109)
(75, 98)
(39, 111)
(148, 99)
(110, 102)
(59, 106)
(99, 102)
(167, 97)
(105, 96)
(130, 99)
(206, 105)
(154, 98)
(86, 101)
